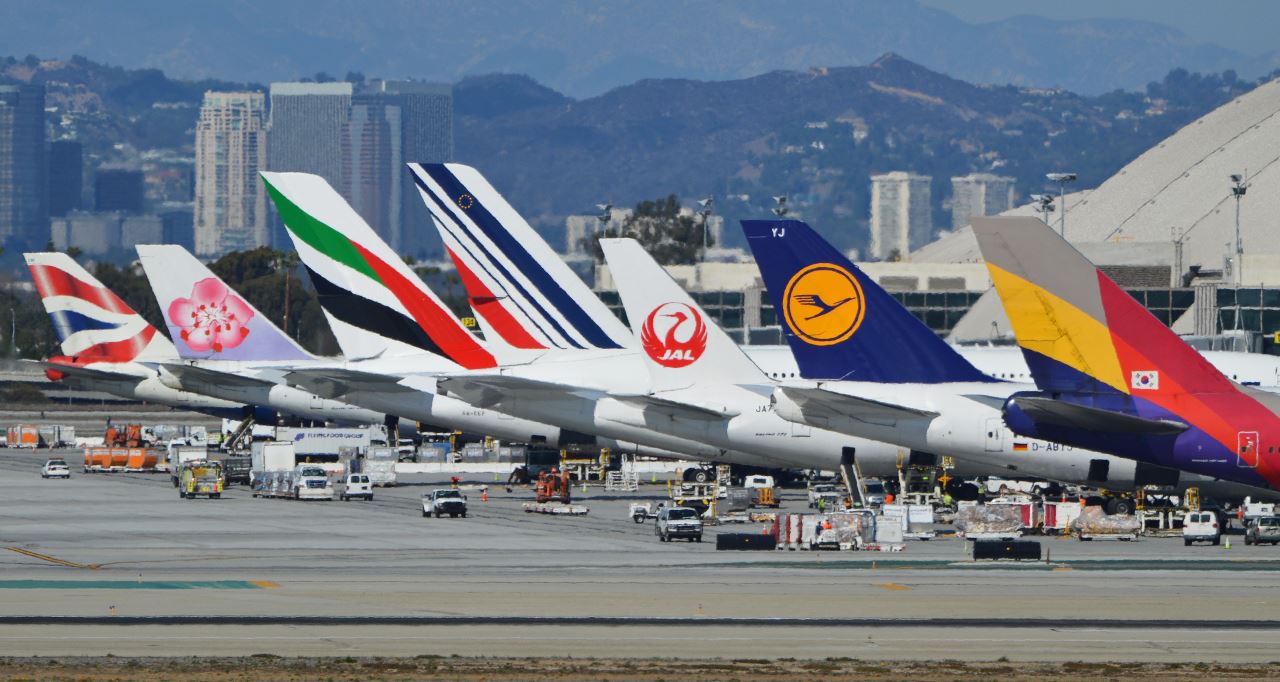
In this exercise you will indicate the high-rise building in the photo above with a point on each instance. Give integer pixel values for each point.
(393, 123)
(901, 213)
(24, 209)
(231, 148)
(979, 194)
(66, 176)
(306, 129)
(118, 189)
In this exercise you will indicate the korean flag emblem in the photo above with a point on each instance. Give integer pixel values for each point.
(1148, 380)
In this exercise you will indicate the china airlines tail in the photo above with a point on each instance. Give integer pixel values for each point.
(377, 306)
(515, 282)
(839, 322)
(206, 318)
(91, 322)
(680, 343)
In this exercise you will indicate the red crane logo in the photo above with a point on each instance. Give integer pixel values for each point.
(674, 335)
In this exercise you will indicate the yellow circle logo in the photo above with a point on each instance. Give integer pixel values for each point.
(823, 304)
(465, 201)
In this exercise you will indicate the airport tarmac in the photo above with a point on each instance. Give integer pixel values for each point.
(117, 563)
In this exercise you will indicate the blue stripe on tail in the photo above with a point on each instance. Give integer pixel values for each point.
(839, 322)
(68, 322)
(520, 257)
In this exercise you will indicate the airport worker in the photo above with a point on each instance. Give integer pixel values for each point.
(822, 505)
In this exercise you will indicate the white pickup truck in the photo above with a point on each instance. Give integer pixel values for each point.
(310, 482)
(444, 501)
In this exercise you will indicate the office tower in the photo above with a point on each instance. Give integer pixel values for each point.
(24, 211)
(176, 225)
(118, 189)
(306, 128)
(230, 199)
(901, 213)
(979, 194)
(392, 123)
(66, 176)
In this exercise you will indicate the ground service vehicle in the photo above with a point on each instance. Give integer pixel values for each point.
(179, 455)
(310, 482)
(356, 485)
(1201, 526)
(55, 468)
(824, 491)
(1265, 529)
(200, 477)
(678, 522)
(876, 493)
(445, 501)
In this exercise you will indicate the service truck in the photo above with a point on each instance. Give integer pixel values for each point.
(269, 461)
(200, 477)
(181, 454)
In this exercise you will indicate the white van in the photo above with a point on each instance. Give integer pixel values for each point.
(1201, 526)
(355, 485)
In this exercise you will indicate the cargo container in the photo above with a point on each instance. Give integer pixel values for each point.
(56, 436)
(302, 482)
(24, 436)
(330, 441)
(105, 459)
(267, 459)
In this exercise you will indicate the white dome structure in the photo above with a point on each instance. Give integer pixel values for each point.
(1180, 188)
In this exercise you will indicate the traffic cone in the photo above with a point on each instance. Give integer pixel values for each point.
(1227, 543)
(484, 495)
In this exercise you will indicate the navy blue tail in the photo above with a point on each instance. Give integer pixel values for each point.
(839, 322)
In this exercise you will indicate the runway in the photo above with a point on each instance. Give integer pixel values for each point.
(142, 572)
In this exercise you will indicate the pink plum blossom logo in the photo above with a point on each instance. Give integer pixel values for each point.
(212, 319)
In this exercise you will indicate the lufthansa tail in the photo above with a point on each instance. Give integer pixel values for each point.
(839, 322)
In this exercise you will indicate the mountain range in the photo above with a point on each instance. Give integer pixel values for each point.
(585, 47)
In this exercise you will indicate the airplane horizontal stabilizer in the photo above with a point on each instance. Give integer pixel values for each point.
(677, 409)
(1060, 413)
(820, 402)
(191, 373)
(335, 383)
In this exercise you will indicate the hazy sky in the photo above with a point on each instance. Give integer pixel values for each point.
(1250, 26)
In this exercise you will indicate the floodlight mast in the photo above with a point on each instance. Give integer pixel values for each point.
(1043, 204)
(704, 211)
(1062, 179)
(1238, 188)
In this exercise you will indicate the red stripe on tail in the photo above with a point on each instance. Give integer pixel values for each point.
(439, 324)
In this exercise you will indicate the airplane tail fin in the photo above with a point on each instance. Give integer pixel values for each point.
(376, 305)
(514, 279)
(206, 318)
(91, 322)
(839, 322)
(1079, 331)
(680, 343)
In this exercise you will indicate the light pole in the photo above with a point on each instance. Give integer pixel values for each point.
(13, 332)
(1238, 188)
(1062, 179)
(602, 218)
(1043, 204)
(704, 210)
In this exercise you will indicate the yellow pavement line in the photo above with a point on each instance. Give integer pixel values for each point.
(265, 584)
(51, 559)
(892, 586)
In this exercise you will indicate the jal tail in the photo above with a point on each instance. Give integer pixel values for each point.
(206, 318)
(1079, 331)
(515, 281)
(680, 343)
(839, 322)
(91, 322)
(377, 306)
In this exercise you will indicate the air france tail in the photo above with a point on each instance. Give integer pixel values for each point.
(839, 322)
(515, 281)
(377, 306)
(680, 343)
(206, 318)
(91, 322)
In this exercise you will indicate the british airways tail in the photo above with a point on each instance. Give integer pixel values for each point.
(1079, 331)
(376, 305)
(680, 343)
(521, 287)
(206, 318)
(839, 322)
(92, 323)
